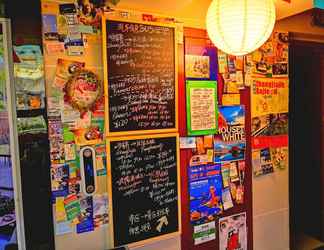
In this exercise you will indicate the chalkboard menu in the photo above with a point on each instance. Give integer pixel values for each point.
(145, 187)
(140, 71)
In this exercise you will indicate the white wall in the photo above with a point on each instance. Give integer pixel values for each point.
(271, 211)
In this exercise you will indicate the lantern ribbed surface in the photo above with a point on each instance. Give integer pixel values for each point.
(239, 27)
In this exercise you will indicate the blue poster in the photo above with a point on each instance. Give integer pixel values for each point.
(205, 189)
(230, 143)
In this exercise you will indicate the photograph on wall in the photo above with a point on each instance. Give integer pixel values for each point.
(200, 59)
(229, 151)
(233, 232)
(202, 109)
(269, 96)
(197, 66)
(205, 190)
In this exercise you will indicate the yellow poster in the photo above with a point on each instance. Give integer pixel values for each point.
(269, 96)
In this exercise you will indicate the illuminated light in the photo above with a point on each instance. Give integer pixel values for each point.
(239, 27)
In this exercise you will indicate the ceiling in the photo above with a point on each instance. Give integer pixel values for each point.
(193, 12)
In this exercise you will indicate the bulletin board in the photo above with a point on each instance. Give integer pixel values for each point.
(141, 81)
(207, 236)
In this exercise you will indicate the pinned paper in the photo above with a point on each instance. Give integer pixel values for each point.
(63, 228)
(204, 233)
(187, 142)
(60, 214)
(231, 99)
(86, 29)
(227, 199)
(52, 48)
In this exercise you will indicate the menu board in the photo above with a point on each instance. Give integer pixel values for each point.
(201, 107)
(145, 187)
(140, 77)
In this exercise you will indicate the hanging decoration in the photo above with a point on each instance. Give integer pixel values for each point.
(83, 90)
(240, 27)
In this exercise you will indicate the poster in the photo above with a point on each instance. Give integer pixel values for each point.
(205, 188)
(230, 143)
(269, 96)
(270, 125)
(201, 107)
(262, 162)
(197, 66)
(233, 232)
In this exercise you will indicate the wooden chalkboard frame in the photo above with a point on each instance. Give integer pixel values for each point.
(109, 182)
(106, 19)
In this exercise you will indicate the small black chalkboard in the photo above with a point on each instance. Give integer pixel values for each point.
(141, 77)
(144, 184)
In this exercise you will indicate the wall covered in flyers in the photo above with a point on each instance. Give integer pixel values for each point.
(217, 94)
(219, 187)
(75, 110)
(214, 163)
(269, 105)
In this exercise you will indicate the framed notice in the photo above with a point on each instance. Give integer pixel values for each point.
(202, 110)
(145, 188)
(140, 72)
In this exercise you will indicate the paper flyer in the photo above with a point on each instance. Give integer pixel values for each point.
(270, 125)
(72, 207)
(280, 157)
(187, 142)
(85, 217)
(100, 210)
(227, 199)
(204, 233)
(230, 143)
(269, 96)
(59, 177)
(205, 188)
(262, 162)
(233, 232)
(201, 107)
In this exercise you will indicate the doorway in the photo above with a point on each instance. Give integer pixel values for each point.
(306, 145)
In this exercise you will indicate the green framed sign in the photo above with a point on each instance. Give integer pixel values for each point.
(202, 108)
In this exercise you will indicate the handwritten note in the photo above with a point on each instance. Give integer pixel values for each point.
(145, 188)
(202, 107)
(141, 76)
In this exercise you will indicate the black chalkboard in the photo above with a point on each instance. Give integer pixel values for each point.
(144, 184)
(140, 66)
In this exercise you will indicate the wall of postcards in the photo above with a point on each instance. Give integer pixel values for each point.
(75, 109)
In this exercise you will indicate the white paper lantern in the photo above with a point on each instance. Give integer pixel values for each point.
(239, 27)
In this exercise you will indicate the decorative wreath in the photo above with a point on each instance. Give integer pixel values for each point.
(83, 90)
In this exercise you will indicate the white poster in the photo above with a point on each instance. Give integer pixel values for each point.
(233, 232)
